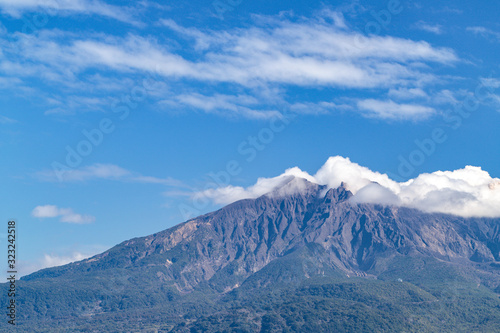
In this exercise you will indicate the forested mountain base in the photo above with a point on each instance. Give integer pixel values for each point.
(289, 261)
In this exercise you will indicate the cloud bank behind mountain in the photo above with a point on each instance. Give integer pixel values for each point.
(467, 192)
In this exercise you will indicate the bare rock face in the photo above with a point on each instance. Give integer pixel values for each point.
(278, 247)
(226, 247)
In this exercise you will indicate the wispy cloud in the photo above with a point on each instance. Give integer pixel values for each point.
(433, 28)
(227, 105)
(95, 171)
(155, 180)
(408, 93)
(104, 172)
(63, 7)
(485, 32)
(388, 109)
(6, 120)
(320, 58)
(491, 82)
(309, 53)
(66, 215)
(316, 53)
(318, 108)
(449, 10)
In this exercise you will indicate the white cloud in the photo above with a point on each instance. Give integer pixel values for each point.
(274, 53)
(336, 16)
(227, 105)
(57, 259)
(6, 120)
(53, 7)
(375, 194)
(495, 98)
(389, 109)
(491, 82)
(447, 97)
(485, 32)
(318, 108)
(104, 171)
(202, 40)
(66, 215)
(95, 171)
(448, 10)
(433, 28)
(45, 211)
(465, 192)
(407, 93)
(9, 82)
(310, 53)
(230, 194)
(155, 180)
(338, 169)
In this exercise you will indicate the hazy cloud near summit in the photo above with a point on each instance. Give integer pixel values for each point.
(467, 192)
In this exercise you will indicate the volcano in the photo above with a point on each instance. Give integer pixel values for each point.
(302, 258)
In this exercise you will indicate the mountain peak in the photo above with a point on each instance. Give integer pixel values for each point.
(339, 194)
(299, 232)
(294, 185)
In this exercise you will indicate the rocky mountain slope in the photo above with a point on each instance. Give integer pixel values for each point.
(301, 243)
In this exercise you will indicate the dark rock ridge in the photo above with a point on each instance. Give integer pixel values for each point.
(225, 247)
(303, 258)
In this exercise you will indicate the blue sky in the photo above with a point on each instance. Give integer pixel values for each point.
(116, 115)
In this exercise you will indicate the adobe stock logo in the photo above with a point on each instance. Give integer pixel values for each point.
(383, 17)
(249, 148)
(95, 137)
(454, 120)
(222, 6)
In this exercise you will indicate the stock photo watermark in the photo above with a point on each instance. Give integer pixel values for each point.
(220, 7)
(94, 137)
(11, 272)
(252, 145)
(454, 119)
(248, 149)
(381, 19)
